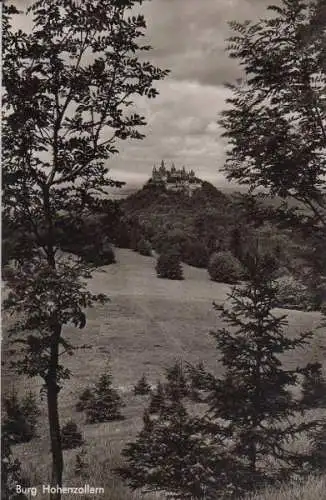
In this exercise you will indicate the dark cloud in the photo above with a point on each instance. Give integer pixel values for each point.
(188, 37)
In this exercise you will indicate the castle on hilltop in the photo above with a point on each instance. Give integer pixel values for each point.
(177, 180)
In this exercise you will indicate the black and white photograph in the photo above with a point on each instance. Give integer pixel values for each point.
(163, 249)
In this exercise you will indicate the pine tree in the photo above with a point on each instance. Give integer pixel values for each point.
(170, 455)
(177, 385)
(20, 417)
(253, 397)
(106, 403)
(142, 387)
(157, 399)
(199, 380)
(71, 437)
(84, 400)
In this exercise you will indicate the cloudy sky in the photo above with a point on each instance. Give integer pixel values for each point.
(188, 37)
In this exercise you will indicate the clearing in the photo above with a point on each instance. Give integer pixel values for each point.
(148, 324)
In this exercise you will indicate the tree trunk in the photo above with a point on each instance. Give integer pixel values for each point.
(53, 416)
(52, 375)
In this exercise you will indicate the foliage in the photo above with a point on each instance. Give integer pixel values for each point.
(173, 240)
(319, 447)
(81, 465)
(142, 387)
(88, 239)
(169, 266)
(20, 418)
(102, 255)
(64, 114)
(71, 437)
(314, 388)
(176, 386)
(105, 403)
(144, 247)
(293, 294)
(276, 120)
(224, 267)
(175, 222)
(253, 397)
(157, 399)
(283, 59)
(195, 253)
(170, 455)
(199, 380)
(45, 298)
(11, 475)
(84, 398)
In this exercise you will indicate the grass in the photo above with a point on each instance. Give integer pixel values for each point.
(148, 324)
(313, 488)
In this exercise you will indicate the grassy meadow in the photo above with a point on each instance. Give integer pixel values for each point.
(147, 325)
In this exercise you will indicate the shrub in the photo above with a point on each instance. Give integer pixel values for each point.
(225, 268)
(176, 386)
(169, 266)
(81, 465)
(171, 455)
(11, 474)
(195, 254)
(105, 404)
(71, 437)
(157, 399)
(168, 241)
(314, 388)
(85, 400)
(101, 254)
(318, 451)
(293, 294)
(199, 381)
(144, 247)
(20, 417)
(142, 387)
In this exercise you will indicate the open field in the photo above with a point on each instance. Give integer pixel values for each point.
(148, 324)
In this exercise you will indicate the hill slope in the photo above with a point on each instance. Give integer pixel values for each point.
(147, 325)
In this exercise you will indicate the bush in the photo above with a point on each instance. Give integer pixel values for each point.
(81, 468)
(11, 474)
(314, 388)
(157, 399)
(318, 451)
(169, 266)
(142, 387)
(170, 241)
(84, 400)
(70, 436)
(101, 254)
(225, 268)
(105, 403)
(199, 381)
(195, 254)
(293, 294)
(20, 417)
(171, 455)
(177, 384)
(144, 247)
